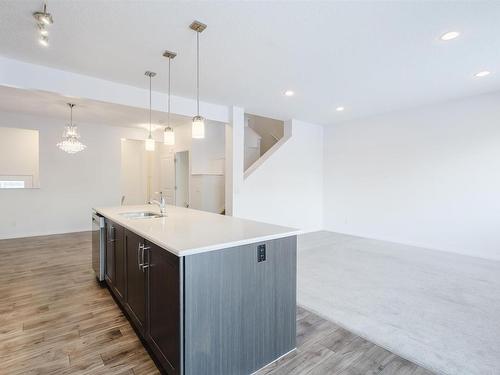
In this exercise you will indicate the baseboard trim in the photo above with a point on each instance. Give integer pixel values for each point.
(277, 359)
(43, 234)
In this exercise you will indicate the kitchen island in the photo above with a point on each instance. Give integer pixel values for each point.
(206, 293)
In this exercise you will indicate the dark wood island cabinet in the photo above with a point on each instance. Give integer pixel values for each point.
(229, 311)
(115, 258)
(144, 279)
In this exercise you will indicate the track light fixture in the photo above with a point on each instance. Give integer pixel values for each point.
(43, 19)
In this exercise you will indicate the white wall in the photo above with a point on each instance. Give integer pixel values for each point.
(428, 177)
(287, 188)
(70, 185)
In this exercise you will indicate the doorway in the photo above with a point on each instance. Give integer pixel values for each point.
(182, 179)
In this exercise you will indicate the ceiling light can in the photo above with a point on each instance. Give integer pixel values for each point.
(482, 73)
(450, 35)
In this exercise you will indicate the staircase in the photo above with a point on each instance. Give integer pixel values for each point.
(261, 134)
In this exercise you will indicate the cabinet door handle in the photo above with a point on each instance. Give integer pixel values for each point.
(139, 250)
(144, 264)
(112, 234)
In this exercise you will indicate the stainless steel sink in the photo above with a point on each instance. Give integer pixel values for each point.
(140, 215)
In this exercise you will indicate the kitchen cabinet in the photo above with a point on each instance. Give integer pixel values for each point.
(110, 253)
(164, 306)
(115, 258)
(120, 261)
(145, 280)
(135, 279)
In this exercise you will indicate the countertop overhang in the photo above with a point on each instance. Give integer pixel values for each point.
(184, 231)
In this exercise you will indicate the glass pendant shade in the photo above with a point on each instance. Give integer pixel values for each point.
(169, 136)
(198, 129)
(149, 143)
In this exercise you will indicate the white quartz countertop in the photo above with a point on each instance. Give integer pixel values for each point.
(185, 231)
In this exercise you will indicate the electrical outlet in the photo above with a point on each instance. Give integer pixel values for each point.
(261, 253)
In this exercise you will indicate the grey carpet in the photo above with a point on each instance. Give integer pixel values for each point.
(437, 309)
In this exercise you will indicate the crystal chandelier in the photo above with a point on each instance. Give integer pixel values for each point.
(71, 139)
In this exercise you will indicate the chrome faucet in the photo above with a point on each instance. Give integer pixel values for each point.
(162, 203)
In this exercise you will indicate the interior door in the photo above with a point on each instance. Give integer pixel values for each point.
(164, 306)
(136, 280)
(134, 168)
(182, 179)
(167, 175)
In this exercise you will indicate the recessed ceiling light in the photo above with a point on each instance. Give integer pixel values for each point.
(450, 35)
(339, 109)
(483, 73)
(289, 93)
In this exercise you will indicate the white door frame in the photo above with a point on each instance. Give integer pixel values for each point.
(188, 192)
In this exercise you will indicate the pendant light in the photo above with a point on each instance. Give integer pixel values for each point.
(71, 139)
(150, 142)
(168, 135)
(198, 128)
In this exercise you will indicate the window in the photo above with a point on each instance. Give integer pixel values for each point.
(19, 158)
(11, 184)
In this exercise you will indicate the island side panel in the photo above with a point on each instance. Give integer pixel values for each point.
(239, 314)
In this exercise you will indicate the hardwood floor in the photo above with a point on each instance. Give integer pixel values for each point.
(325, 348)
(55, 319)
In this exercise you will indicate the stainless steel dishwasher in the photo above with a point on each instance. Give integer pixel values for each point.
(98, 245)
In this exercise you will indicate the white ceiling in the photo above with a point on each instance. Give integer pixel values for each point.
(87, 111)
(369, 57)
